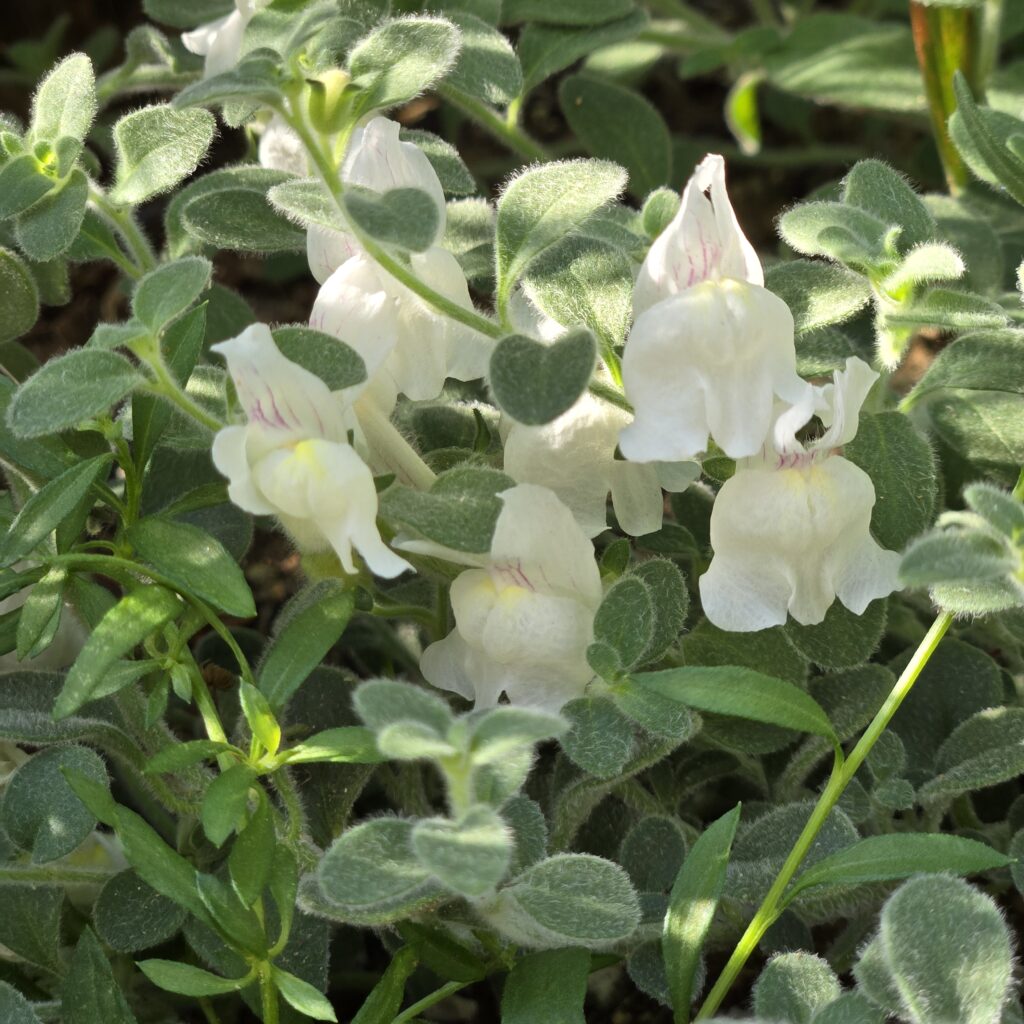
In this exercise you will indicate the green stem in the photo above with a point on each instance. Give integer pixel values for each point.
(988, 40)
(505, 129)
(208, 1010)
(31, 875)
(268, 996)
(391, 447)
(123, 221)
(944, 43)
(1018, 490)
(842, 775)
(167, 387)
(329, 175)
(292, 804)
(427, 1001)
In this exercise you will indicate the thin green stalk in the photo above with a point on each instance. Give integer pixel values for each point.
(989, 37)
(208, 1010)
(292, 804)
(167, 387)
(33, 875)
(842, 775)
(268, 996)
(505, 129)
(427, 1001)
(123, 221)
(944, 42)
(386, 440)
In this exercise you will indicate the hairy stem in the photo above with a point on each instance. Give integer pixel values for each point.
(505, 129)
(842, 775)
(122, 220)
(426, 1002)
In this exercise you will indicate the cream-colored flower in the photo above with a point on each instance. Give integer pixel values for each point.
(524, 614)
(220, 41)
(292, 458)
(791, 530)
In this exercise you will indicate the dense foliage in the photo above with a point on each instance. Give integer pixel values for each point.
(656, 640)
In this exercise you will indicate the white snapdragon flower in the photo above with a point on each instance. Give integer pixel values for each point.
(376, 158)
(292, 458)
(220, 41)
(791, 529)
(408, 347)
(710, 348)
(574, 456)
(524, 614)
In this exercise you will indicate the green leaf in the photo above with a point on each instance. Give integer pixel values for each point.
(742, 113)
(984, 361)
(691, 908)
(14, 1007)
(193, 561)
(157, 147)
(236, 922)
(742, 693)
(384, 702)
(400, 59)
(19, 296)
(600, 739)
(310, 625)
(186, 980)
(371, 874)
(985, 427)
(793, 986)
(90, 994)
(251, 859)
(225, 802)
(652, 852)
(902, 468)
(470, 856)
(889, 857)
(22, 184)
(126, 625)
(306, 201)
(436, 949)
(384, 1002)
(65, 102)
(952, 310)
(131, 915)
(48, 227)
(183, 755)
(30, 926)
(41, 613)
(69, 389)
(947, 951)
(842, 639)
(549, 986)
(253, 81)
(167, 292)
(544, 50)
(302, 996)
(239, 216)
(348, 744)
(620, 125)
(406, 218)
(504, 729)
(257, 712)
(542, 205)
(535, 382)
(625, 620)
(844, 233)
(584, 281)
(981, 136)
(876, 188)
(40, 812)
(459, 511)
(488, 68)
(818, 293)
(50, 506)
(568, 899)
(338, 365)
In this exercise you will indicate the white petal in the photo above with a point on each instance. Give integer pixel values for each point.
(707, 362)
(791, 540)
(676, 477)
(378, 159)
(536, 538)
(278, 395)
(219, 41)
(444, 665)
(231, 459)
(327, 249)
(573, 456)
(703, 243)
(636, 497)
(281, 149)
(851, 387)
